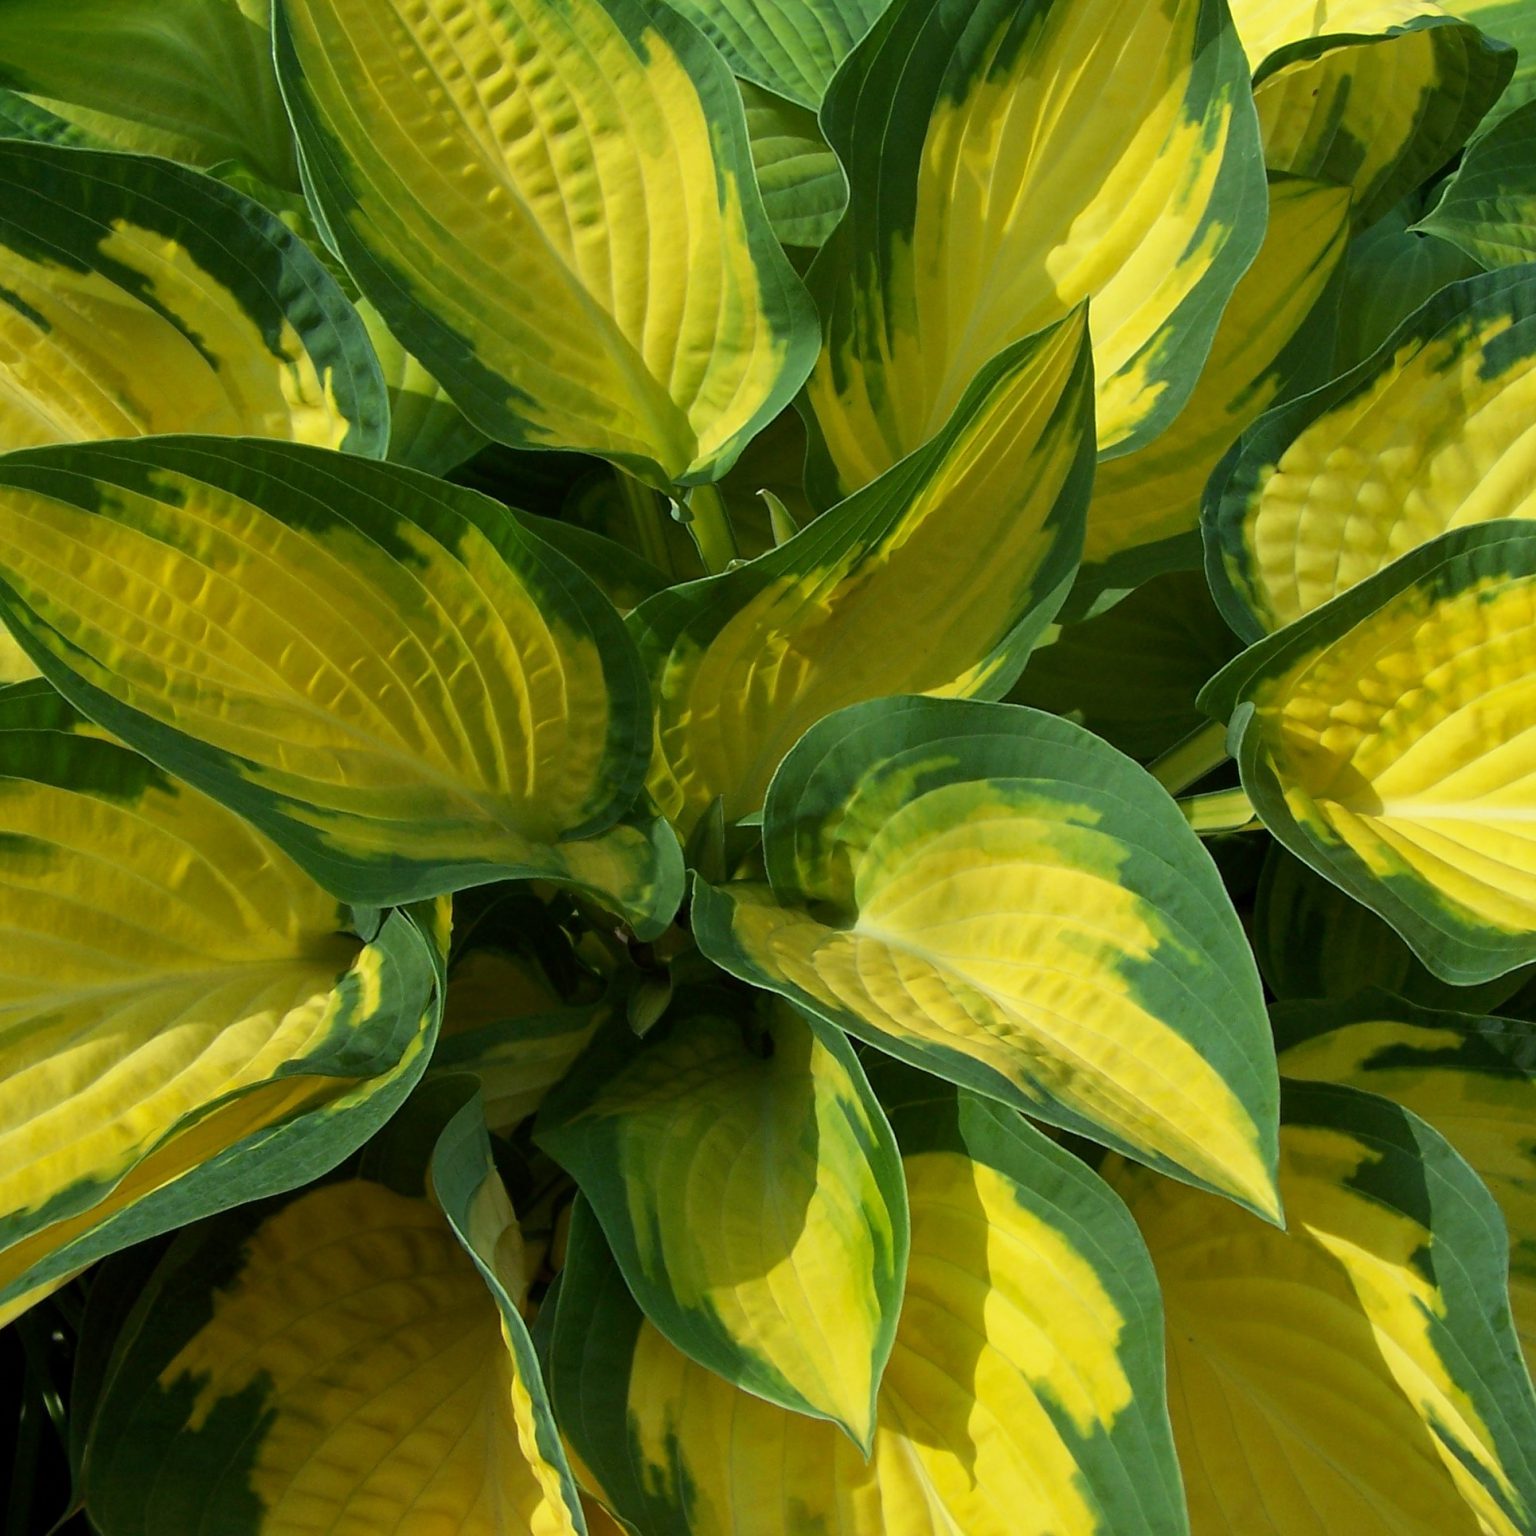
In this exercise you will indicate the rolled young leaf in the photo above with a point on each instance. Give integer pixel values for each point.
(999, 898)
(389, 675)
(336, 1361)
(1006, 166)
(1429, 433)
(1374, 95)
(876, 596)
(186, 1021)
(1384, 739)
(140, 297)
(553, 207)
(751, 1191)
(1358, 1371)
(1024, 1395)
(1472, 1078)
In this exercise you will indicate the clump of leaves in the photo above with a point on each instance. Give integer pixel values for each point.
(769, 768)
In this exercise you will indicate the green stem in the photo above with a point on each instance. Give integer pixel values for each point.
(710, 525)
(1224, 810)
(1187, 762)
(648, 517)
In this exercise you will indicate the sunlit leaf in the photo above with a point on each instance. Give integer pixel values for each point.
(1001, 899)
(1473, 1079)
(1358, 1371)
(553, 208)
(1430, 433)
(1374, 95)
(1145, 512)
(186, 1019)
(1023, 1395)
(1006, 165)
(404, 688)
(337, 1363)
(936, 577)
(139, 297)
(1386, 740)
(747, 1182)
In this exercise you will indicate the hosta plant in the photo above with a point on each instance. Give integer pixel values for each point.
(768, 768)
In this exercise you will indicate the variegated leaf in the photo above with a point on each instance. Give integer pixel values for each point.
(1430, 433)
(402, 686)
(1145, 512)
(1006, 166)
(750, 1188)
(1001, 899)
(553, 208)
(1472, 1078)
(186, 1019)
(970, 544)
(1374, 95)
(341, 1362)
(140, 297)
(1358, 1371)
(1023, 1395)
(1488, 208)
(1386, 740)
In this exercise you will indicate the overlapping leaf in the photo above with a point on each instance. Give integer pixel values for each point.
(553, 207)
(1023, 1394)
(1488, 208)
(505, 1026)
(1145, 512)
(792, 47)
(1006, 165)
(1386, 740)
(1357, 1372)
(1313, 940)
(1374, 95)
(140, 297)
(1389, 272)
(408, 691)
(186, 1019)
(1512, 22)
(1472, 1078)
(1430, 433)
(748, 1184)
(937, 577)
(804, 189)
(188, 79)
(340, 1361)
(1132, 673)
(1003, 900)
